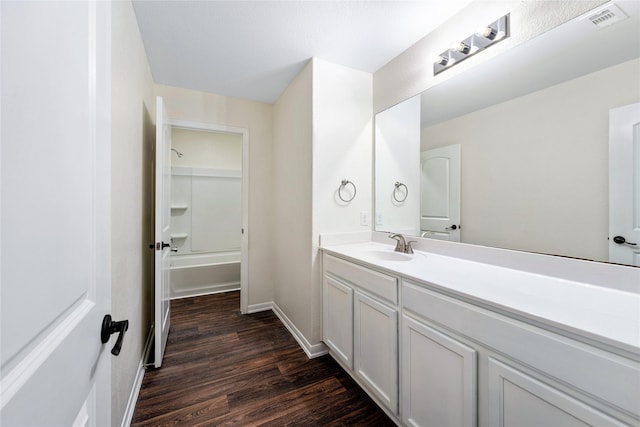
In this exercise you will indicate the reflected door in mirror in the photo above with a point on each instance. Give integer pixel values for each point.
(624, 182)
(440, 193)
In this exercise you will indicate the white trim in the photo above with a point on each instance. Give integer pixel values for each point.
(215, 289)
(312, 350)
(82, 419)
(209, 172)
(1, 210)
(28, 366)
(256, 308)
(212, 127)
(244, 249)
(137, 383)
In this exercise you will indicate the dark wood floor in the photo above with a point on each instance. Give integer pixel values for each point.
(222, 368)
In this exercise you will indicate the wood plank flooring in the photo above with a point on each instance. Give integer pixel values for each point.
(222, 368)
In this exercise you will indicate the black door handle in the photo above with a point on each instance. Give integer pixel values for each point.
(159, 245)
(110, 327)
(622, 241)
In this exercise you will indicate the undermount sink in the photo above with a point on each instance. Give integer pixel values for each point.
(388, 255)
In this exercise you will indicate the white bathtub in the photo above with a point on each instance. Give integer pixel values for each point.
(201, 274)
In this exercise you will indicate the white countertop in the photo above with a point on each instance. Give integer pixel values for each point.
(604, 314)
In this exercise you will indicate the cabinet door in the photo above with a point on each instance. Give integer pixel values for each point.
(376, 348)
(337, 318)
(517, 399)
(439, 378)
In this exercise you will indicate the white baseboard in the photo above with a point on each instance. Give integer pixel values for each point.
(209, 290)
(255, 308)
(137, 383)
(312, 350)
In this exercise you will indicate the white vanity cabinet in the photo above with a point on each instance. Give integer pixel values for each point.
(434, 357)
(518, 399)
(526, 376)
(439, 377)
(360, 326)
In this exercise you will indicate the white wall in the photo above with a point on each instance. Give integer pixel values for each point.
(133, 109)
(204, 149)
(548, 152)
(195, 106)
(411, 72)
(292, 187)
(397, 150)
(322, 134)
(342, 149)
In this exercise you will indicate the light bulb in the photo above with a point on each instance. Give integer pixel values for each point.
(442, 60)
(487, 32)
(463, 48)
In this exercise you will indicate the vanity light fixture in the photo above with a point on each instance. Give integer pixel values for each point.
(482, 39)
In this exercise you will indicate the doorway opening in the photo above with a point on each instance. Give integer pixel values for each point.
(209, 218)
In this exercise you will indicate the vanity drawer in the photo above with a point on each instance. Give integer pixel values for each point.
(379, 284)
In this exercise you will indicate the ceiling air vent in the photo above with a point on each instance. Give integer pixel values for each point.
(607, 16)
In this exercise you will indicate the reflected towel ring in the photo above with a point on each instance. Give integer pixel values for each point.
(344, 183)
(395, 190)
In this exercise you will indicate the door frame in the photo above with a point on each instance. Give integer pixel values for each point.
(244, 241)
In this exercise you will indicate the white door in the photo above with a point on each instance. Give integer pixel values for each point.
(624, 185)
(440, 193)
(162, 231)
(55, 210)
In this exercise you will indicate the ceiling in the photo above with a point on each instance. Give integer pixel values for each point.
(253, 49)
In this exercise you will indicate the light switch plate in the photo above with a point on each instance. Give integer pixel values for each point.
(364, 218)
(378, 218)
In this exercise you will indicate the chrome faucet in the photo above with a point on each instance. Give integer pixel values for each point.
(402, 245)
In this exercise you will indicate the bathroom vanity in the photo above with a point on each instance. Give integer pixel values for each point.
(437, 340)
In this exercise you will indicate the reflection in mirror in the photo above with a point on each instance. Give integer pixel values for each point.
(440, 193)
(531, 128)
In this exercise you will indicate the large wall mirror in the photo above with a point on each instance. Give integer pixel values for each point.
(514, 153)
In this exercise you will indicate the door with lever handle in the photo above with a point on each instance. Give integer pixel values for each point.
(622, 241)
(110, 327)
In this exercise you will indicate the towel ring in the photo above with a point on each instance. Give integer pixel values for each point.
(344, 183)
(396, 189)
